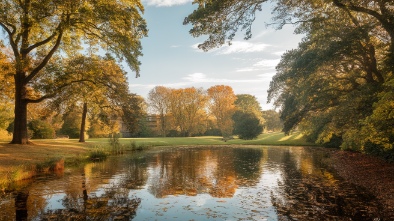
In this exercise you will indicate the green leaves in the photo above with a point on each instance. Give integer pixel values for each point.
(221, 19)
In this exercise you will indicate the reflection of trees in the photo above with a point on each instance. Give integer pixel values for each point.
(113, 202)
(21, 205)
(217, 171)
(247, 165)
(317, 195)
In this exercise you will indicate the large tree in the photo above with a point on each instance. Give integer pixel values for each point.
(186, 107)
(329, 84)
(158, 99)
(248, 104)
(221, 106)
(36, 30)
(338, 82)
(97, 84)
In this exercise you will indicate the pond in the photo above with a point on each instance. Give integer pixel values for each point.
(200, 183)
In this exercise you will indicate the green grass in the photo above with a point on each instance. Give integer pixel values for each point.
(275, 139)
(295, 139)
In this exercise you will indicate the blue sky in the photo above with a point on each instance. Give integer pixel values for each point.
(171, 57)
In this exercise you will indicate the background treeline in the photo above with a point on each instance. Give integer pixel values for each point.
(98, 104)
(215, 111)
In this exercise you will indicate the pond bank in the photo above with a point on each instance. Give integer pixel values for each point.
(369, 172)
(18, 162)
(365, 171)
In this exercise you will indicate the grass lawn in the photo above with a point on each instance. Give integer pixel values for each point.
(277, 139)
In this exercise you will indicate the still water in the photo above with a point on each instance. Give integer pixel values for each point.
(201, 183)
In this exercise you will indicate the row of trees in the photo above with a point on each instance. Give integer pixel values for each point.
(87, 92)
(216, 111)
(338, 85)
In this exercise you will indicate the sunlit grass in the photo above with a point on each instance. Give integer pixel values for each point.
(278, 138)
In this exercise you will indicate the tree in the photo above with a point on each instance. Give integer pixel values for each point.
(248, 104)
(272, 120)
(97, 83)
(158, 99)
(246, 125)
(328, 86)
(221, 106)
(6, 89)
(336, 81)
(41, 130)
(36, 31)
(221, 19)
(186, 107)
(72, 123)
(134, 115)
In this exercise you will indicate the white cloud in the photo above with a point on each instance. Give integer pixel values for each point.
(202, 78)
(279, 53)
(237, 47)
(165, 3)
(242, 47)
(265, 64)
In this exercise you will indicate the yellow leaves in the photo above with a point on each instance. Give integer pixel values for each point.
(221, 106)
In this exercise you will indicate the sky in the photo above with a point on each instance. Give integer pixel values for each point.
(171, 57)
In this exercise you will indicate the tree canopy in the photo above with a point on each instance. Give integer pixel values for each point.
(337, 85)
(221, 106)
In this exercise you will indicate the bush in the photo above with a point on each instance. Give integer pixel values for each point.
(334, 142)
(213, 132)
(173, 133)
(247, 126)
(379, 151)
(97, 154)
(41, 129)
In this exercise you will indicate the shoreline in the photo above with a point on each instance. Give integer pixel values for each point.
(370, 172)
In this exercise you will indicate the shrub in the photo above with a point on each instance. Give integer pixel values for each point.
(247, 126)
(97, 154)
(41, 129)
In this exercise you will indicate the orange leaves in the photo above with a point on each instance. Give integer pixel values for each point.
(187, 108)
(221, 106)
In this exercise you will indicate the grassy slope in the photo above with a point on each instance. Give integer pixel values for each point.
(295, 139)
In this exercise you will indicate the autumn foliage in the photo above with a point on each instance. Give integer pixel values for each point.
(194, 111)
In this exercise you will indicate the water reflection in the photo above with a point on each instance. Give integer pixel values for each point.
(202, 183)
(217, 172)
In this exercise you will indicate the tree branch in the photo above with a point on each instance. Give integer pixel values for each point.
(56, 92)
(12, 43)
(32, 47)
(46, 59)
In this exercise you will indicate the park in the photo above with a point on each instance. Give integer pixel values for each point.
(224, 121)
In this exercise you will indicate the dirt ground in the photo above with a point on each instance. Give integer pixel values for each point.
(374, 174)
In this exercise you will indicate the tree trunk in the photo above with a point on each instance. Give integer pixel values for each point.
(83, 123)
(163, 125)
(20, 135)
